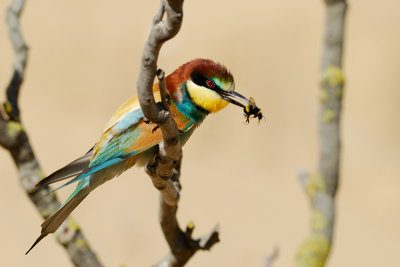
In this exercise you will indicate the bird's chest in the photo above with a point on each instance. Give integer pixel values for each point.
(185, 110)
(184, 120)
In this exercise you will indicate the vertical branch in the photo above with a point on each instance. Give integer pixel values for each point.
(21, 54)
(164, 168)
(162, 31)
(14, 138)
(181, 243)
(321, 186)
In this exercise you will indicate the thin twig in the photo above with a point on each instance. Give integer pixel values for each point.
(14, 138)
(270, 259)
(321, 186)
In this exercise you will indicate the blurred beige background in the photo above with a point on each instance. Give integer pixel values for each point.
(84, 59)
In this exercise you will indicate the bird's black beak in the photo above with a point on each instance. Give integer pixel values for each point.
(250, 110)
(231, 97)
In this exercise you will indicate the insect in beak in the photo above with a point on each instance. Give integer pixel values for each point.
(249, 110)
(254, 111)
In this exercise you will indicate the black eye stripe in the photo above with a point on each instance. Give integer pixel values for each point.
(197, 78)
(200, 80)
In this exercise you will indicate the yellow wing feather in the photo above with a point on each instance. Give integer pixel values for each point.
(130, 105)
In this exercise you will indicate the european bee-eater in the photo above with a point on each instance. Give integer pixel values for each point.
(196, 89)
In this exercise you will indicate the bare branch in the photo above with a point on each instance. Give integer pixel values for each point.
(321, 186)
(21, 52)
(182, 245)
(14, 138)
(164, 168)
(161, 31)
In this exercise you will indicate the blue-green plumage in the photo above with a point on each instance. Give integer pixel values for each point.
(189, 109)
(197, 88)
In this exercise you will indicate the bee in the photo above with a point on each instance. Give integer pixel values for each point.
(252, 110)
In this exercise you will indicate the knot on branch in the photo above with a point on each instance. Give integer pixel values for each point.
(162, 115)
(176, 19)
(148, 62)
(10, 133)
(22, 49)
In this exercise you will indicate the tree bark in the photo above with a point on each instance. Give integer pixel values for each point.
(14, 138)
(164, 168)
(321, 186)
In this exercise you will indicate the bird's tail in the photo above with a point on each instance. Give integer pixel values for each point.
(53, 223)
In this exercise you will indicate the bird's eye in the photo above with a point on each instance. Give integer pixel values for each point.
(210, 83)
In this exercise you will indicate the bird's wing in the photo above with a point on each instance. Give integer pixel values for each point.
(80, 165)
(125, 135)
(127, 127)
(129, 134)
(125, 124)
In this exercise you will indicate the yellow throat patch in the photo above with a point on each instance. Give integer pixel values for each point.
(205, 98)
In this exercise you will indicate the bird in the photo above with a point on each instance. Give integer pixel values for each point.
(196, 89)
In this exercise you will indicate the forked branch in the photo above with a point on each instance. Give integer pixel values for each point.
(164, 168)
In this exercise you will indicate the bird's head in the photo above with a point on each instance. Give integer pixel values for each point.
(209, 85)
